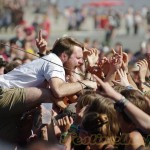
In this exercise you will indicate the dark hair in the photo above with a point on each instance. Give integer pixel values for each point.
(17, 58)
(65, 44)
(2, 45)
(2, 63)
(10, 66)
(96, 121)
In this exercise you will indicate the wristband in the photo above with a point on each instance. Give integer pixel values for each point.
(63, 136)
(40, 54)
(121, 104)
(147, 84)
(73, 128)
(129, 87)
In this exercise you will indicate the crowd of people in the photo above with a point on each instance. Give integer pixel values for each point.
(109, 98)
(100, 97)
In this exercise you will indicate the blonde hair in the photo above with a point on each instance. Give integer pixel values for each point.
(86, 99)
(105, 106)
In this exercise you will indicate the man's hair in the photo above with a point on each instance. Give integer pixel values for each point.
(2, 63)
(65, 44)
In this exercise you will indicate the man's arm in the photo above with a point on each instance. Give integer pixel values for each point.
(60, 88)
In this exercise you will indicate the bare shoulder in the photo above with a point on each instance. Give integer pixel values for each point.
(135, 140)
(135, 135)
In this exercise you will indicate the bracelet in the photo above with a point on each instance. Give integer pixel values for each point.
(147, 84)
(121, 104)
(129, 87)
(73, 128)
(147, 79)
(63, 136)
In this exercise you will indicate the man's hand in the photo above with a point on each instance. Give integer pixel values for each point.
(41, 43)
(90, 84)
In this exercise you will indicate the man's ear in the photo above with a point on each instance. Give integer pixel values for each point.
(64, 57)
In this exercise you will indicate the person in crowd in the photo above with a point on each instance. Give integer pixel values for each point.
(19, 86)
(2, 66)
(67, 52)
(10, 66)
(140, 118)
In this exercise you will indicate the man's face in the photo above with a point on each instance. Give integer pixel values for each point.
(75, 60)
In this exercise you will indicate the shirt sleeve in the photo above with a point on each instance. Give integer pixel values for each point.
(52, 70)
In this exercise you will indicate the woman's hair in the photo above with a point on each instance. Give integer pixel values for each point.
(86, 99)
(104, 106)
(138, 99)
(65, 44)
(98, 123)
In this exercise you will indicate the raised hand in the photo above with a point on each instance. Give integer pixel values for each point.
(41, 43)
(97, 71)
(123, 78)
(125, 62)
(143, 68)
(116, 60)
(91, 55)
(148, 59)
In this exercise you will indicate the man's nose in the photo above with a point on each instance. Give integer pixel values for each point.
(81, 61)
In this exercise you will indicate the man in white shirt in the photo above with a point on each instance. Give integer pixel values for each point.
(66, 52)
(25, 87)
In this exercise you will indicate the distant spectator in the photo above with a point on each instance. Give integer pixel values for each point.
(10, 66)
(3, 51)
(46, 27)
(2, 66)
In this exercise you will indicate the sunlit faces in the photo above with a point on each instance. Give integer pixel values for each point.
(75, 60)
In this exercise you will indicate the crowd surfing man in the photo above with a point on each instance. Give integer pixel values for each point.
(39, 81)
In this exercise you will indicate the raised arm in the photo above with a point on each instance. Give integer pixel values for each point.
(141, 119)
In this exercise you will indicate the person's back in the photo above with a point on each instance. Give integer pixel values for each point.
(34, 74)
